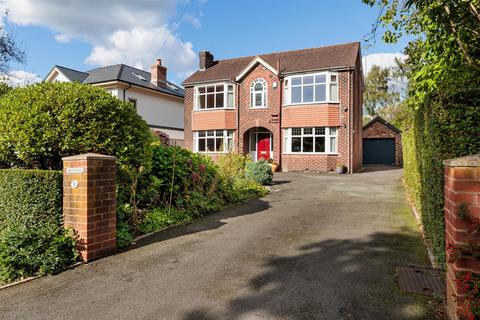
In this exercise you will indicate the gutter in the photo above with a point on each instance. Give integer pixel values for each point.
(125, 90)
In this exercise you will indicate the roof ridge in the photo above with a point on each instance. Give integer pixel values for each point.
(291, 51)
(59, 66)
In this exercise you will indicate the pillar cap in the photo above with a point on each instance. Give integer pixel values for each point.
(88, 156)
(468, 161)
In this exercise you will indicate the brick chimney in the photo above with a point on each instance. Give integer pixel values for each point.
(205, 60)
(158, 74)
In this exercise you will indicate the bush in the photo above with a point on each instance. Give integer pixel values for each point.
(160, 218)
(437, 130)
(41, 123)
(30, 198)
(26, 251)
(260, 172)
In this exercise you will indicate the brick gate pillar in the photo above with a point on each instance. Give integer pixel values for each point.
(462, 207)
(89, 202)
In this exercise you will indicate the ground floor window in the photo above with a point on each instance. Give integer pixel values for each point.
(310, 140)
(213, 140)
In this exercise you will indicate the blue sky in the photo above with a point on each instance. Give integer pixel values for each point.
(91, 33)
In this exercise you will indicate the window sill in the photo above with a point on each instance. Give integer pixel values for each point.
(258, 108)
(311, 153)
(215, 109)
(311, 103)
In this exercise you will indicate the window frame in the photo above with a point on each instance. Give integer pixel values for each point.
(226, 86)
(264, 94)
(225, 136)
(287, 140)
(133, 102)
(288, 88)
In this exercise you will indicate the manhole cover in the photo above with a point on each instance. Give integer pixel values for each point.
(420, 280)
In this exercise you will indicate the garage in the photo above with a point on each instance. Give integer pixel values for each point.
(379, 151)
(382, 143)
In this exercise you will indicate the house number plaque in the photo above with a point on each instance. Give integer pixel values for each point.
(74, 170)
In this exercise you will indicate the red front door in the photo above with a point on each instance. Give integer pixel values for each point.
(263, 146)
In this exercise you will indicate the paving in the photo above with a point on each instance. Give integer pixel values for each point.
(317, 247)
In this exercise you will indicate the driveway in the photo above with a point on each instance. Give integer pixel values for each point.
(317, 247)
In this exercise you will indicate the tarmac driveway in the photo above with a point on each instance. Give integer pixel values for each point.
(317, 247)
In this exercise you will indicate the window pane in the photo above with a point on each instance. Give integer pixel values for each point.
(333, 131)
(319, 144)
(307, 130)
(319, 131)
(296, 94)
(201, 144)
(296, 81)
(253, 144)
(308, 94)
(230, 100)
(296, 131)
(219, 133)
(230, 88)
(308, 144)
(210, 133)
(296, 144)
(201, 102)
(258, 100)
(210, 101)
(229, 144)
(320, 78)
(219, 144)
(201, 90)
(219, 88)
(229, 133)
(320, 92)
(210, 89)
(308, 80)
(258, 87)
(211, 144)
(333, 92)
(333, 78)
(333, 144)
(219, 100)
(201, 133)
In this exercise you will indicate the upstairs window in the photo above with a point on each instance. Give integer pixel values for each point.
(258, 94)
(218, 96)
(312, 88)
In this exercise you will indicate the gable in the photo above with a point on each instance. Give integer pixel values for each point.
(256, 61)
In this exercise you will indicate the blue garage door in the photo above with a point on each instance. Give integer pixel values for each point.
(379, 151)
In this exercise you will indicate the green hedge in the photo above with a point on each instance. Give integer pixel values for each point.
(30, 198)
(437, 130)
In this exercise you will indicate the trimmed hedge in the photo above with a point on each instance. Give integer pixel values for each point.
(30, 198)
(437, 130)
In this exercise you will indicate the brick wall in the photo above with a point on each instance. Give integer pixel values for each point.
(89, 202)
(462, 191)
(378, 130)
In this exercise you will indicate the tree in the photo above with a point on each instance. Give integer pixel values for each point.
(378, 94)
(9, 51)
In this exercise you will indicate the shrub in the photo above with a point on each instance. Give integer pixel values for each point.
(30, 198)
(26, 251)
(160, 218)
(437, 130)
(41, 123)
(260, 172)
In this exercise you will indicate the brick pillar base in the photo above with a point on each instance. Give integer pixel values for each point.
(89, 202)
(462, 203)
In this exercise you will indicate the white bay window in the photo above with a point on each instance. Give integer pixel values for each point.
(210, 141)
(214, 96)
(311, 88)
(310, 140)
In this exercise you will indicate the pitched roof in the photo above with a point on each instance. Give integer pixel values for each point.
(123, 73)
(337, 56)
(382, 121)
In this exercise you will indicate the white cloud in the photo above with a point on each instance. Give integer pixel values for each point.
(19, 78)
(193, 20)
(381, 59)
(121, 31)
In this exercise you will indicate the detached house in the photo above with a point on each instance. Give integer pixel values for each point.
(157, 100)
(302, 108)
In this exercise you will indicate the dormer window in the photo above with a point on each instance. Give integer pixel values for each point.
(215, 96)
(258, 94)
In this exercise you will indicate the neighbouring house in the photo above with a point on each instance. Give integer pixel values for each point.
(382, 143)
(301, 108)
(157, 100)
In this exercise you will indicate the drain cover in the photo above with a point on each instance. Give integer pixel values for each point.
(420, 280)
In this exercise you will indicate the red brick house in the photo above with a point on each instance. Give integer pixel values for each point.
(302, 108)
